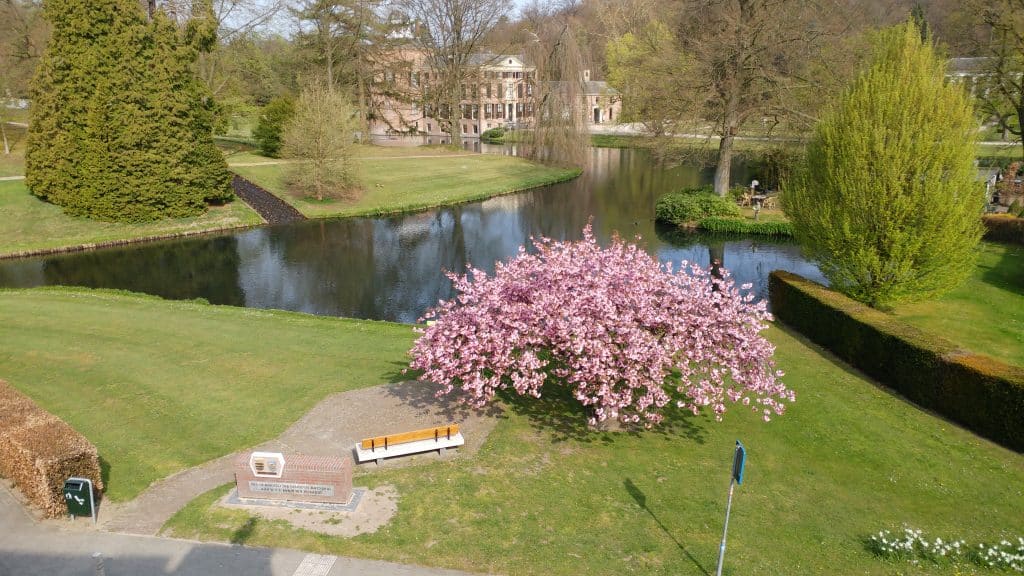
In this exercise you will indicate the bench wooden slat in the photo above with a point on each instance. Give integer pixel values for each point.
(434, 433)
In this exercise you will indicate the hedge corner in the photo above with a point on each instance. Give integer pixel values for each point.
(39, 451)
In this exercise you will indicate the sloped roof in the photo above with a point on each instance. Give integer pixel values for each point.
(967, 65)
(486, 58)
(598, 87)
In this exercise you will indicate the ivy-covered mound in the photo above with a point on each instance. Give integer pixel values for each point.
(121, 129)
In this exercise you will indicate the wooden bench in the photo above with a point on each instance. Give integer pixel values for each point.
(438, 438)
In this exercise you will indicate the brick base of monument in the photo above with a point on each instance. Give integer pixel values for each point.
(303, 479)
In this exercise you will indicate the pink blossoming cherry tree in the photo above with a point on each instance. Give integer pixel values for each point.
(626, 334)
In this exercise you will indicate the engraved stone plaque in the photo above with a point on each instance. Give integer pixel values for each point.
(295, 477)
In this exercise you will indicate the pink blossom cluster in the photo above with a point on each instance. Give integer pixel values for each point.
(621, 330)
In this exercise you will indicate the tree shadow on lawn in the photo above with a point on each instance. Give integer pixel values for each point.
(244, 532)
(557, 412)
(423, 397)
(1008, 273)
(397, 373)
(104, 471)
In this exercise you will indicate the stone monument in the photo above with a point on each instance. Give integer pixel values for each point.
(294, 477)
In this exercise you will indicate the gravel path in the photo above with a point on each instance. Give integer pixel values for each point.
(332, 427)
(270, 207)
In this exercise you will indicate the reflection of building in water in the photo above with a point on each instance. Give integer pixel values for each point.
(508, 202)
(415, 226)
(604, 162)
(499, 92)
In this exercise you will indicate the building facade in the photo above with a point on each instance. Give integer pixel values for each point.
(500, 94)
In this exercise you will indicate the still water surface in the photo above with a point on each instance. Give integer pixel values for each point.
(393, 268)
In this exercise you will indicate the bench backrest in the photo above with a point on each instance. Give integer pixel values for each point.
(435, 433)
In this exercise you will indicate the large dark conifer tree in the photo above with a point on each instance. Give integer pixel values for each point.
(120, 127)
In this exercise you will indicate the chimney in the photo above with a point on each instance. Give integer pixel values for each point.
(586, 75)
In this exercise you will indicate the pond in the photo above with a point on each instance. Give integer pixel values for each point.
(393, 268)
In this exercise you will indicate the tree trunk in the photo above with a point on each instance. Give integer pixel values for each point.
(3, 131)
(723, 171)
(455, 113)
(1020, 118)
(716, 257)
(330, 67)
(364, 108)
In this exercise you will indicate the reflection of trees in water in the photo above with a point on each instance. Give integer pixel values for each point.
(197, 268)
(749, 259)
(22, 273)
(315, 267)
(393, 268)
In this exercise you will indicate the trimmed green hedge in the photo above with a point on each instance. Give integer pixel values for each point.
(1004, 229)
(693, 205)
(732, 225)
(981, 393)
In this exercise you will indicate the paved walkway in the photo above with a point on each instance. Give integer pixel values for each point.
(28, 548)
(63, 547)
(332, 427)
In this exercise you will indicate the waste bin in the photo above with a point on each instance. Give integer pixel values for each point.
(78, 497)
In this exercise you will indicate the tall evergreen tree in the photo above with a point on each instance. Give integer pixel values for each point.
(889, 204)
(121, 129)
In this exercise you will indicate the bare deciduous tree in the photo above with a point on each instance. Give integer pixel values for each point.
(23, 34)
(1000, 89)
(234, 19)
(749, 57)
(739, 61)
(346, 38)
(559, 132)
(451, 36)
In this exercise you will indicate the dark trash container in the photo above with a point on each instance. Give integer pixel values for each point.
(78, 497)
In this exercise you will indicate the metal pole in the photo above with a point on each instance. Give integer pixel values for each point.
(725, 532)
(100, 569)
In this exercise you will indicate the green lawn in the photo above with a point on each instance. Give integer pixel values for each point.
(545, 496)
(160, 386)
(27, 223)
(985, 314)
(12, 164)
(362, 152)
(397, 180)
(766, 215)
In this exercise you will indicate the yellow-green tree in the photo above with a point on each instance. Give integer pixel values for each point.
(888, 202)
(320, 136)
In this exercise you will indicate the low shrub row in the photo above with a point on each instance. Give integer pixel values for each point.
(1004, 229)
(693, 205)
(981, 393)
(39, 451)
(993, 161)
(494, 135)
(738, 226)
